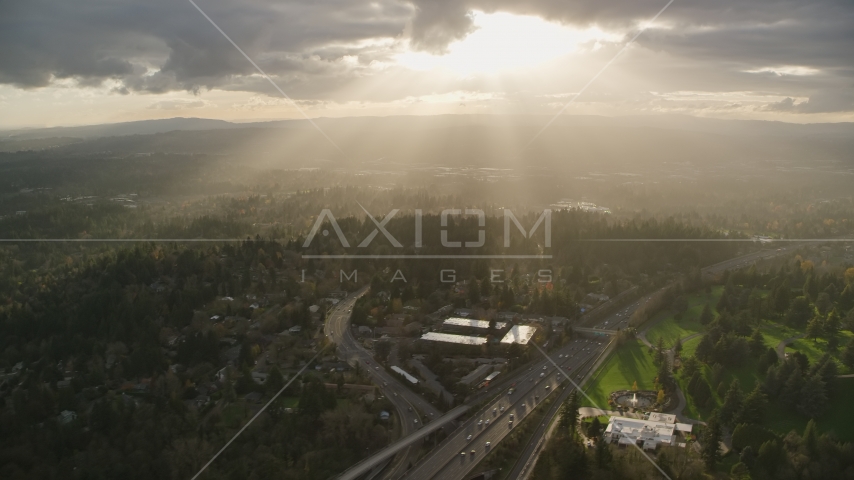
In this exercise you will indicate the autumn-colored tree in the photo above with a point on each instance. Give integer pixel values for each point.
(635, 386)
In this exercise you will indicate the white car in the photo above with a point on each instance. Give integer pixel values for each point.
(487, 421)
(523, 405)
(479, 423)
(468, 438)
(487, 444)
(544, 367)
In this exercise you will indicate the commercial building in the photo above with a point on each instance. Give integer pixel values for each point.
(658, 430)
(451, 338)
(520, 334)
(456, 322)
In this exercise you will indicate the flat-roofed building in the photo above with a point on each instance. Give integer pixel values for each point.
(456, 322)
(648, 434)
(451, 338)
(406, 375)
(520, 334)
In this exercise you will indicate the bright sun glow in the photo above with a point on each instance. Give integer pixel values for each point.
(504, 42)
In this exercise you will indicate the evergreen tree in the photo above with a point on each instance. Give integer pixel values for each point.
(810, 438)
(604, 457)
(569, 414)
(689, 366)
(813, 398)
(756, 343)
(771, 456)
(710, 451)
(733, 402)
(847, 356)
(595, 428)
(814, 328)
(753, 408)
(768, 359)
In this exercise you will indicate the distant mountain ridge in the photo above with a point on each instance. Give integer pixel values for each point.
(665, 121)
(141, 127)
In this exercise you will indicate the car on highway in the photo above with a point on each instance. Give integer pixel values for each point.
(415, 421)
(510, 424)
(487, 444)
(479, 423)
(495, 411)
(463, 454)
(472, 452)
(487, 421)
(511, 417)
(523, 405)
(544, 367)
(541, 375)
(548, 387)
(502, 409)
(468, 438)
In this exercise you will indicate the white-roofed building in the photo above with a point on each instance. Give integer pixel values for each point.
(648, 434)
(451, 338)
(472, 323)
(407, 376)
(520, 334)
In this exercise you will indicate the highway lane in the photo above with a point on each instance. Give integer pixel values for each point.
(447, 462)
(412, 409)
(338, 330)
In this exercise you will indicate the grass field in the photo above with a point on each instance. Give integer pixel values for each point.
(815, 349)
(666, 326)
(628, 364)
(690, 347)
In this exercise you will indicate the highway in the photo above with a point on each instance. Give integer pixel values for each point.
(448, 462)
(412, 409)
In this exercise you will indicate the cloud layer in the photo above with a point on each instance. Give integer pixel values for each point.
(786, 49)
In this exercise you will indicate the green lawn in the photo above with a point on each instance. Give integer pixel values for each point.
(690, 347)
(628, 364)
(815, 349)
(665, 325)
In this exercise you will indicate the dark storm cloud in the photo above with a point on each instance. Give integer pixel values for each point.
(162, 45)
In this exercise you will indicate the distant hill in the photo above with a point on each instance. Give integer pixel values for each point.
(665, 121)
(142, 127)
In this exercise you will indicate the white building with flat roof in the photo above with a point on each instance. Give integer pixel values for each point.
(406, 375)
(451, 338)
(520, 334)
(472, 323)
(648, 434)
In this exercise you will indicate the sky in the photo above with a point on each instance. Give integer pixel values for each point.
(103, 61)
